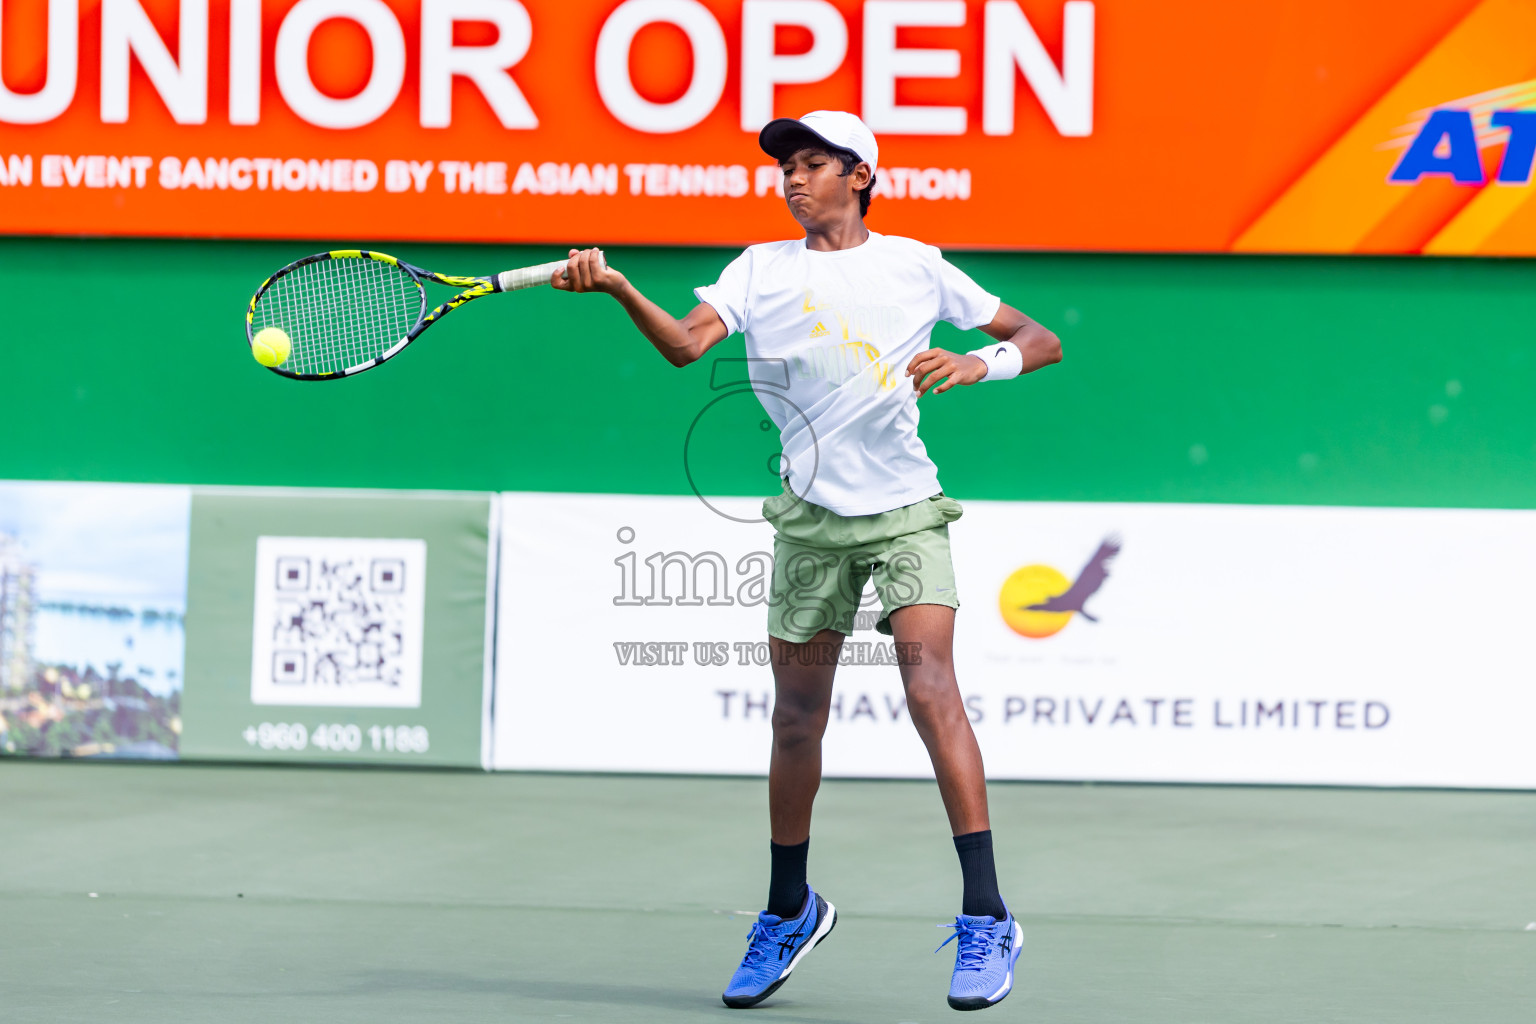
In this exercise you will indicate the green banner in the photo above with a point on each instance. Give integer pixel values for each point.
(326, 626)
(1244, 380)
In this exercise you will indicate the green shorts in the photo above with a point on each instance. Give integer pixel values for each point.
(822, 561)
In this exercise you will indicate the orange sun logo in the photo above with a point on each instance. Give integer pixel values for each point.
(1029, 586)
(1037, 601)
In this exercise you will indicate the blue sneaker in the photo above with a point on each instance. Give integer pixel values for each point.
(984, 960)
(774, 946)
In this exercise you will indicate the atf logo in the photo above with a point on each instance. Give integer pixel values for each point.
(1037, 601)
(1448, 141)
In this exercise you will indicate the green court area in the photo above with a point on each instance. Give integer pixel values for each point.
(228, 894)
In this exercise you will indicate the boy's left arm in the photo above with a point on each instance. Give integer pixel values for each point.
(937, 366)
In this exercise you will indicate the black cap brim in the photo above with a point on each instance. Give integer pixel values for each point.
(783, 137)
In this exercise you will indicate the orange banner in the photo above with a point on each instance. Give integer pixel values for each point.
(1196, 125)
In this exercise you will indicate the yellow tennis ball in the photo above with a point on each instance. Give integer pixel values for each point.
(271, 346)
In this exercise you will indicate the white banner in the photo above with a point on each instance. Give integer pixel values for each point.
(1199, 643)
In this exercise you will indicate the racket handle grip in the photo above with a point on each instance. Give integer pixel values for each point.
(528, 277)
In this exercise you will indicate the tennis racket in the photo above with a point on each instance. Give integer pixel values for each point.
(349, 310)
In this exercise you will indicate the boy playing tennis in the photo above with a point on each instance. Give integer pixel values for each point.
(861, 500)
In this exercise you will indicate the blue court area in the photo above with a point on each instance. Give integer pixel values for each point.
(197, 893)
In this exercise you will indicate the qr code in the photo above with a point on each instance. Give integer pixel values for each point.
(338, 622)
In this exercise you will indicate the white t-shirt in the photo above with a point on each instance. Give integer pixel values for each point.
(832, 333)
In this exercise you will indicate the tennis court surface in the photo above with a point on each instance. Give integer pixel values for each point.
(258, 894)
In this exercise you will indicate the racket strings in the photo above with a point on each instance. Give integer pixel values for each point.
(340, 313)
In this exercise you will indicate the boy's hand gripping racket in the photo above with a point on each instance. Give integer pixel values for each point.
(349, 310)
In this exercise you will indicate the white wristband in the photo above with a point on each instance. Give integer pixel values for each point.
(1003, 358)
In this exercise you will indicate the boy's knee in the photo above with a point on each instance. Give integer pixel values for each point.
(932, 695)
(794, 723)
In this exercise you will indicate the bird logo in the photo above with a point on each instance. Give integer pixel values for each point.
(1037, 601)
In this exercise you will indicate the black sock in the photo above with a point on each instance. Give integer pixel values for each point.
(981, 898)
(786, 882)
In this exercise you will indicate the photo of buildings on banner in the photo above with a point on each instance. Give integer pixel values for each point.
(92, 619)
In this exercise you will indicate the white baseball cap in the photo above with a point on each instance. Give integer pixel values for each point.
(785, 136)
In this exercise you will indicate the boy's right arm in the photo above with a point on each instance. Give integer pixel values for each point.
(679, 341)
